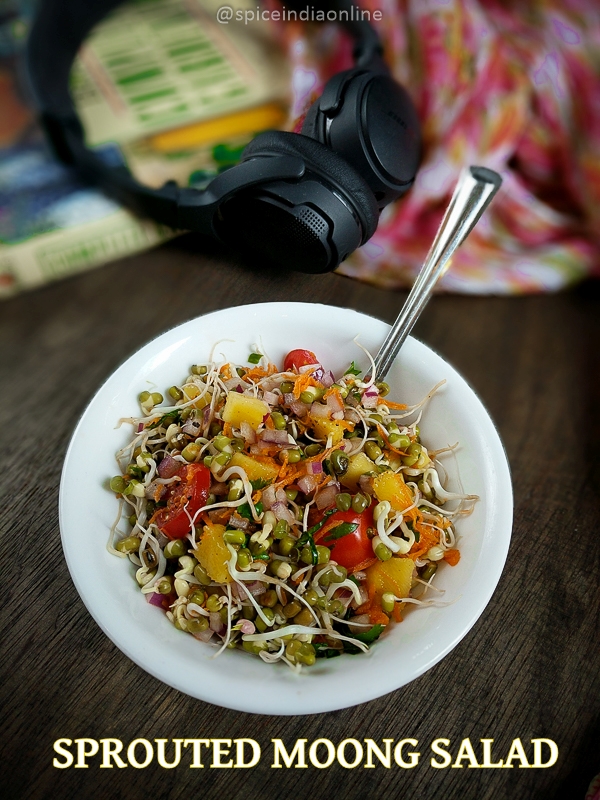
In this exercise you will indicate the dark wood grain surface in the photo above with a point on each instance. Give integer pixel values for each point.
(530, 666)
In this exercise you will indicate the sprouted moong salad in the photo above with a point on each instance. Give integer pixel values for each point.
(286, 513)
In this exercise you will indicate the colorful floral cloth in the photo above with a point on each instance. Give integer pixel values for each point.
(514, 86)
(593, 792)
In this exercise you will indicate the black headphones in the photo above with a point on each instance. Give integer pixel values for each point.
(302, 201)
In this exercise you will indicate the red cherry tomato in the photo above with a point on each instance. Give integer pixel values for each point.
(353, 548)
(299, 358)
(190, 492)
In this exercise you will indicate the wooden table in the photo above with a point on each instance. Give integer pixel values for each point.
(528, 669)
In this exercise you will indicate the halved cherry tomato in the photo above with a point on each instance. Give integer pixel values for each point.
(191, 494)
(299, 358)
(353, 548)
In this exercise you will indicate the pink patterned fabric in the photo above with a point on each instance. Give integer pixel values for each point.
(514, 86)
(593, 792)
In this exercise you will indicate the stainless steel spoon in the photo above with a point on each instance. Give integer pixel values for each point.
(474, 191)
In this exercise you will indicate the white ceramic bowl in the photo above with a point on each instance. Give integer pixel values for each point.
(235, 679)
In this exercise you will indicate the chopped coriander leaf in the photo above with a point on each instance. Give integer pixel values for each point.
(371, 635)
(254, 358)
(325, 651)
(244, 510)
(343, 529)
(259, 483)
(353, 370)
(308, 536)
(368, 637)
(166, 419)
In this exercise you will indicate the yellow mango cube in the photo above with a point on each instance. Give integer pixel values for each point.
(239, 408)
(324, 428)
(358, 465)
(212, 553)
(390, 486)
(262, 468)
(191, 390)
(394, 575)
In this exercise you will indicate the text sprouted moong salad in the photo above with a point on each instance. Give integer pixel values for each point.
(284, 512)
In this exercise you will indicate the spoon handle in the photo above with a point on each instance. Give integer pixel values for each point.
(474, 191)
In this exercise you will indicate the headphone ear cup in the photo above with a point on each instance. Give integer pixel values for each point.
(372, 123)
(328, 166)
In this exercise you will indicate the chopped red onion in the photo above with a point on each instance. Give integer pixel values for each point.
(204, 636)
(281, 496)
(235, 383)
(298, 408)
(370, 397)
(216, 623)
(206, 415)
(271, 398)
(155, 599)
(151, 490)
(140, 427)
(268, 384)
(255, 588)
(335, 403)
(259, 448)
(241, 523)
(168, 467)
(320, 411)
(219, 488)
(328, 378)
(275, 436)
(366, 484)
(248, 432)
(239, 389)
(289, 398)
(326, 496)
(282, 512)
(352, 416)
(361, 621)
(268, 497)
(337, 415)
(192, 427)
(307, 483)
(314, 467)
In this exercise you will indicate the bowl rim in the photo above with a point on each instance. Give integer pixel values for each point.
(504, 517)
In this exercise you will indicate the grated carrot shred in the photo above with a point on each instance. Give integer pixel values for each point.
(368, 562)
(302, 383)
(383, 401)
(260, 372)
(333, 391)
(452, 556)
(428, 538)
